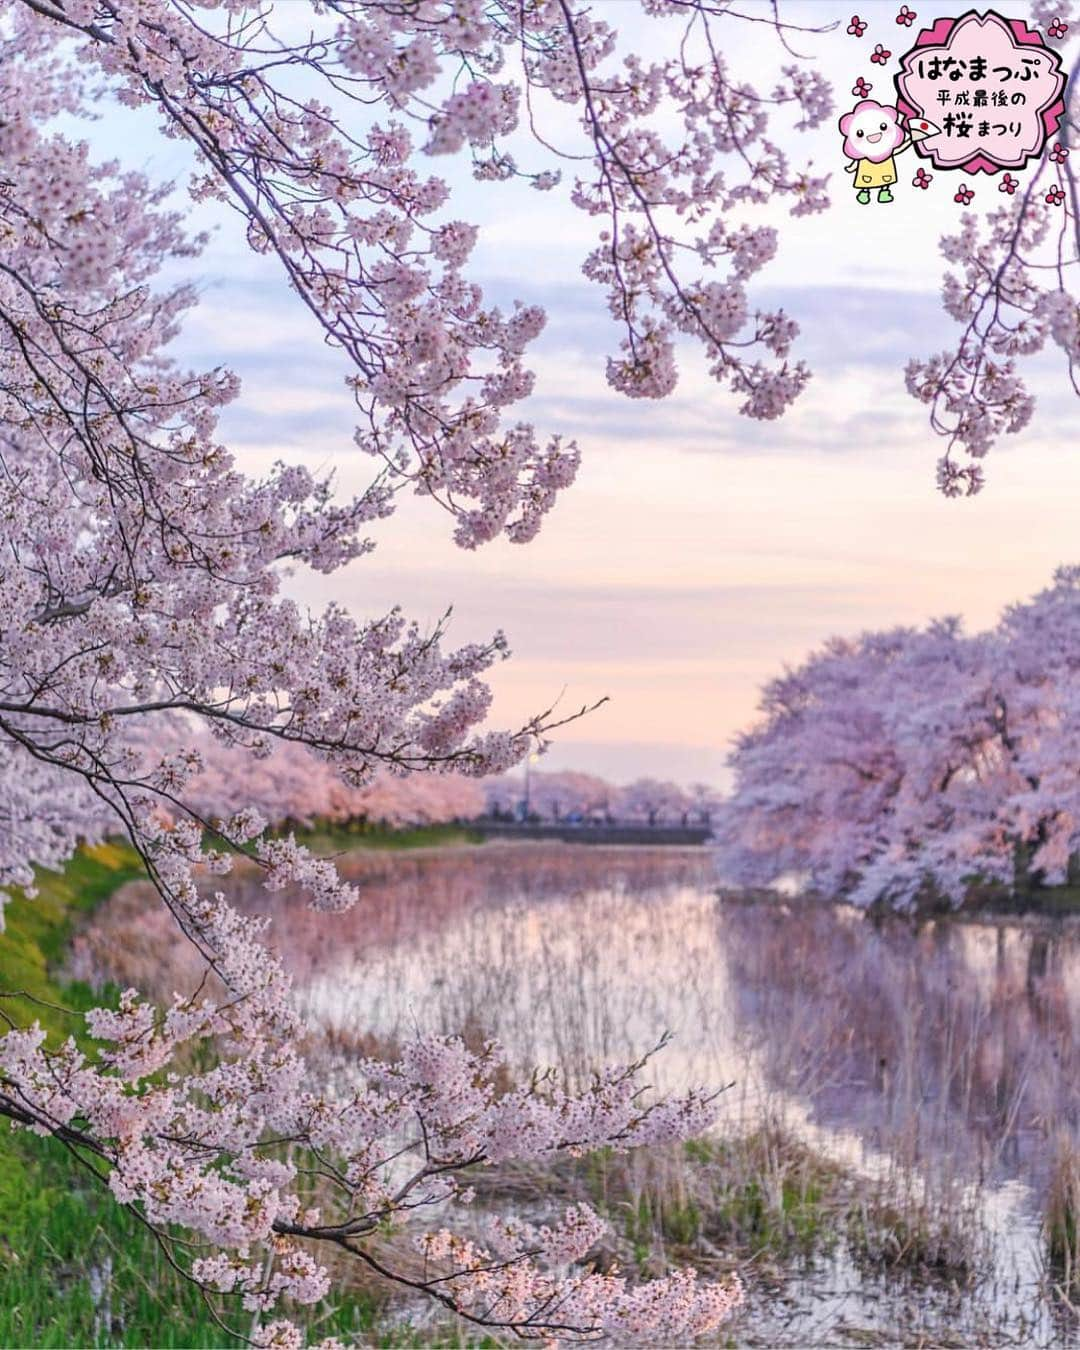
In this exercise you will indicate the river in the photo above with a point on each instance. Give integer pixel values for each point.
(939, 1057)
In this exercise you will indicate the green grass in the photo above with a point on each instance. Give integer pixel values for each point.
(63, 1241)
(76, 1269)
(327, 839)
(769, 1193)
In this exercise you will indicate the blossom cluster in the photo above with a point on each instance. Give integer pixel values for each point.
(500, 1279)
(1012, 288)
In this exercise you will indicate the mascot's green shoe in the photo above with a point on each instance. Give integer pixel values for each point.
(884, 195)
(863, 196)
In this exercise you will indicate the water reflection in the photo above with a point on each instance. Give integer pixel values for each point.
(964, 1023)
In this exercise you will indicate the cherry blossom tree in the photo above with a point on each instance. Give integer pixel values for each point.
(911, 764)
(553, 795)
(652, 801)
(144, 577)
(418, 799)
(289, 786)
(558, 795)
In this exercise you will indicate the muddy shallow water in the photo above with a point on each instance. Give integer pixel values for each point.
(947, 1049)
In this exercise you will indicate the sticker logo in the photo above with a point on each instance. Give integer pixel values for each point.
(991, 86)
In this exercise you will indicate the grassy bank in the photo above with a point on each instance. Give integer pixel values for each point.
(326, 839)
(75, 1268)
(330, 838)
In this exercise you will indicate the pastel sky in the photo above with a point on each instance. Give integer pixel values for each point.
(698, 552)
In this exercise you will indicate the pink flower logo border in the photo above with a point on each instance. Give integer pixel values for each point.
(940, 35)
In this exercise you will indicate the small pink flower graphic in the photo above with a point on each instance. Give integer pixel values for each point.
(1009, 184)
(906, 16)
(1057, 29)
(857, 26)
(922, 179)
(1055, 196)
(1060, 153)
(964, 195)
(861, 87)
(880, 55)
